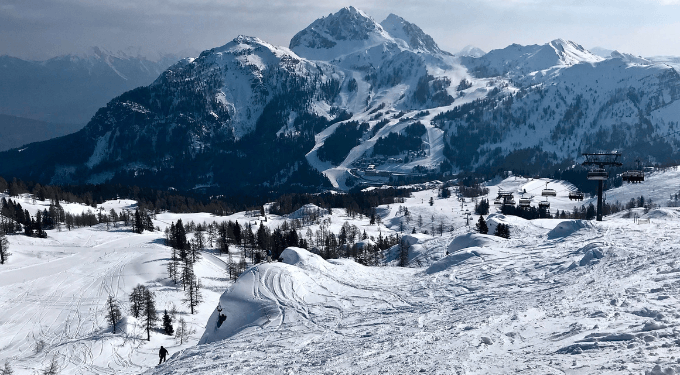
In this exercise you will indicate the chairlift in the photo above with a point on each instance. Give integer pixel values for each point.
(544, 205)
(525, 202)
(576, 195)
(598, 174)
(497, 202)
(548, 192)
(634, 176)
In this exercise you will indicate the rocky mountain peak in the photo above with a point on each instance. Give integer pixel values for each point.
(413, 35)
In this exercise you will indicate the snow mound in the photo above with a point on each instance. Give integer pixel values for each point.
(299, 292)
(302, 258)
(658, 370)
(472, 240)
(453, 260)
(415, 238)
(590, 257)
(661, 213)
(307, 211)
(567, 228)
(418, 253)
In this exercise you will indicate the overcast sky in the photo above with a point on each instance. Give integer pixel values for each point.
(40, 29)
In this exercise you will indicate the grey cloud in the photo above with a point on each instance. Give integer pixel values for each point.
(41, 28)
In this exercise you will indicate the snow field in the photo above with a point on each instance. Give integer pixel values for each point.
(560, 296)
(55, 290)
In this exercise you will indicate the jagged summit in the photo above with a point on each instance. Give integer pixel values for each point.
(337, 34)
(350, 30)
(414, 36)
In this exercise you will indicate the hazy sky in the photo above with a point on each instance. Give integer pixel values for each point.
(44, 28)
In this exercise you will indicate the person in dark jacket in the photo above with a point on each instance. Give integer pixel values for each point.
(162, 353)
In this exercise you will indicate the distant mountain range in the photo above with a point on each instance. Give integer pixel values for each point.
(354, 102)
(69, 89)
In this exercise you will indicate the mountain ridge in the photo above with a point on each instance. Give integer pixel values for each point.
(253, 116)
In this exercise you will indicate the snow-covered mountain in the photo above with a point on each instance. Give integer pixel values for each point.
(70, 88)
(353, 101)
(517, 60)
(470, 51)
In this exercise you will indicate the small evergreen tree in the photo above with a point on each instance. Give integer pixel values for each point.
(403, 253)
(4, 247)
(482, 208)
(167, 324)
(431, 201)
(138, 223)
(502, 230)
(481, 226)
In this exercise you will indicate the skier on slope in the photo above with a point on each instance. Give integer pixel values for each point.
(162, 353)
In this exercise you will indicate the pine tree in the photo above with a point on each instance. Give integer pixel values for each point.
(138, 226)
(113, 314)
(403, 253)
(502, 230)
(482, 208)
(167, 324)
(4, 247)
(481, 225)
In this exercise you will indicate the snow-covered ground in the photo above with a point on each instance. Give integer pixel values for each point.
(559, 296)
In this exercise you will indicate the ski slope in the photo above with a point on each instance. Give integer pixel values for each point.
(55, 290)
(559, 296)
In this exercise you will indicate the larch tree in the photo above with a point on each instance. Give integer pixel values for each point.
(183, 331)
(192, 291)
(137, 300)
(113, 314)
(149, 311)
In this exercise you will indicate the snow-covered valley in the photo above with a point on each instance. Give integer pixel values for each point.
(559, 296)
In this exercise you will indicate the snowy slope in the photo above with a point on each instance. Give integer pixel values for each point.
(558, 291)
(595, 300)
